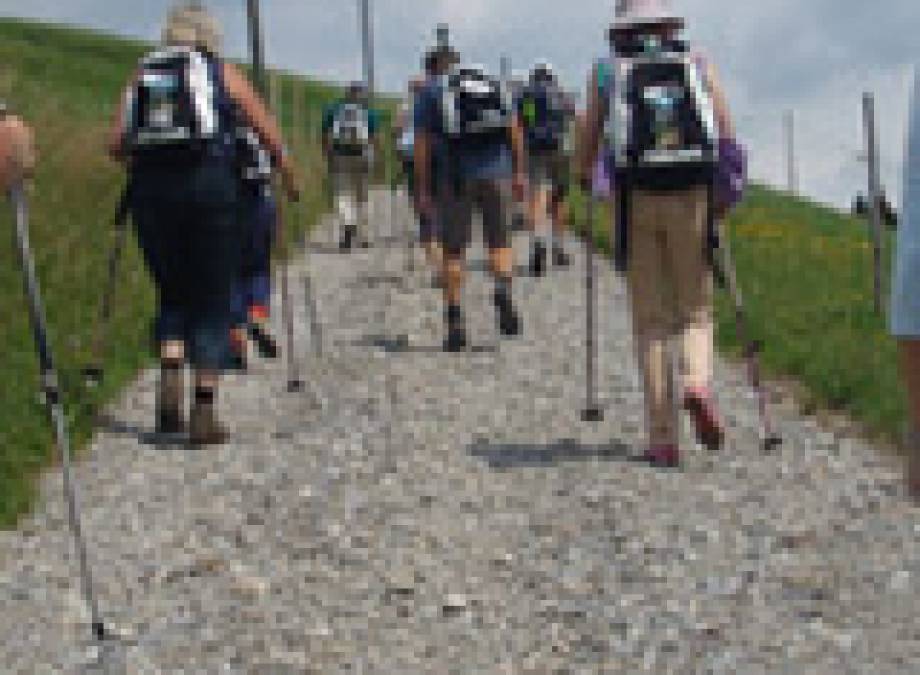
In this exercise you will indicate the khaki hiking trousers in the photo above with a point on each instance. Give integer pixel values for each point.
(349, 177)
(671, 293)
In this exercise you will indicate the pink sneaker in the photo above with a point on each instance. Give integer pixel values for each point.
(664, 456)
(699, 403)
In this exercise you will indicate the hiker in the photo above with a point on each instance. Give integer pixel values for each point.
(905, 291)
(436, 64)
(666, 238)
(545, 112)
(251, 301)
(17, 150)
(466, 125)
(351, 146)
(176, 129)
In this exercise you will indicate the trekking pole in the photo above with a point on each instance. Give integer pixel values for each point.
(52, 399)
(294, 383)
(315, 326)
(93, 373)
(752, 348)
(592, 411)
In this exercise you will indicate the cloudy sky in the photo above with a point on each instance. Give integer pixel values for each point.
(815, 57)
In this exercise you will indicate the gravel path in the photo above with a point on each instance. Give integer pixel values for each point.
(418, 512)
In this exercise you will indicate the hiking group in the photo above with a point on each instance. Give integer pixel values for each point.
(656, 137)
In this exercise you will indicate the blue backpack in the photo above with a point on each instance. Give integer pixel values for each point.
(542, 112)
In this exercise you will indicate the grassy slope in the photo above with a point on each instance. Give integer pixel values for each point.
(65, 82)
(805, 272)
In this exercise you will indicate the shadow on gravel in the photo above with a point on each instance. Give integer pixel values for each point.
(364, 281)
(144, 436)
(509, 455)
(399, 345)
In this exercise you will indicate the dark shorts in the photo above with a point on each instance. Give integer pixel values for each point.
(189, 231)
(456, 205)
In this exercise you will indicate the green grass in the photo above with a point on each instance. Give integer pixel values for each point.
(66, 81)
(805, 272)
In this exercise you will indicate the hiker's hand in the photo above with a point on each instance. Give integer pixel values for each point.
(17, 152)
(291, 185)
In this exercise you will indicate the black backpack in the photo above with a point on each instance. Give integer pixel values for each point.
(178, 106)
(542, 111)
(661, 126)
(475, 108)
(254, 163)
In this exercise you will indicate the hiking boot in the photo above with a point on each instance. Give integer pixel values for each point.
(264, 340)
(538, 259)
(348, 236)
(698, 402)
(169, 400)
(456, 331)
(663, 456)
(560, 257)
(509, 323)
(204, 429)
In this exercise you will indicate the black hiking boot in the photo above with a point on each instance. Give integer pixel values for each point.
(265, 342)
(348, 236)
(560, 257)
(169, 400)
(509, 323)
(538, 259)
(456, 330)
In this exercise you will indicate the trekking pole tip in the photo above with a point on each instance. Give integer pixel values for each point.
(771, 442)
(295, 386)
(592, 414)
(99, 631)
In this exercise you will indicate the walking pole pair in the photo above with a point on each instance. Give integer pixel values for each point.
(53, 400)
(93, 374)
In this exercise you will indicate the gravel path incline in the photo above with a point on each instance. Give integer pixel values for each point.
(420, 512)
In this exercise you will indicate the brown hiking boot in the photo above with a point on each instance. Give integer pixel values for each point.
(204, 428)
(169, 399)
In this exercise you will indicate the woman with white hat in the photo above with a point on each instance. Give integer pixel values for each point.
(905, 295)
(665, 259)
(177, 128)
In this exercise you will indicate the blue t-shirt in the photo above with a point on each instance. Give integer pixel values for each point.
(491, 161)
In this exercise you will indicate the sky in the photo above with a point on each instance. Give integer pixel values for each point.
(815, 58)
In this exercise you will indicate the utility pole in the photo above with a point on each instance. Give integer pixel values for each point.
(367, 43)
(790, 152)
(875, 214)
(256, 55)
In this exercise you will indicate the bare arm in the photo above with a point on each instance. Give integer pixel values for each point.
(422, 162)
(115, 143)
(590, 129)
(719, 102)
(518, 145)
